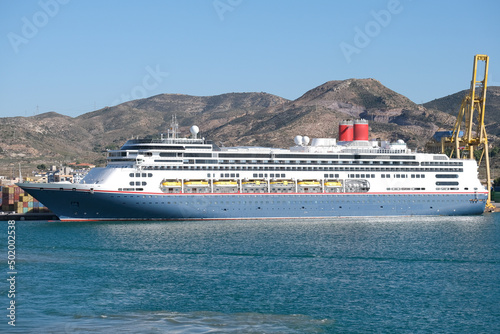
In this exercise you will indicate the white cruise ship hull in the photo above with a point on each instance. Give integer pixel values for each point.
(75, 205)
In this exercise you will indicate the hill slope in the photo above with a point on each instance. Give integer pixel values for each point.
(318, 112)
(451, 104)
(229, 119)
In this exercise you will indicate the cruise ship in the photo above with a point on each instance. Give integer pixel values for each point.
(176, 178)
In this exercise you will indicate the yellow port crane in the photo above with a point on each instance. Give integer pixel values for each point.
(471, 120)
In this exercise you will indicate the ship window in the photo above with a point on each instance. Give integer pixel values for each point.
(144, 183)
(137, 183)
(131, 175)
(446, 176)
(137, 174)
(131, 183)
(446, 183)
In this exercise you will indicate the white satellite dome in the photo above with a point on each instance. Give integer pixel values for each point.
(305, 140)
(194, 130)
(298, 140)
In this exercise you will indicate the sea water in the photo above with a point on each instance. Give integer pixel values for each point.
(345, 275)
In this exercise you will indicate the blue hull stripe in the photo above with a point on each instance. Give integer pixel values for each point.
(106, 205)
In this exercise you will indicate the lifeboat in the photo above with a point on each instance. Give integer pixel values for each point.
(226, 183)
(250, 183)
(196, 183)
(171, 183)
(282, 183)
(333, 184)
(309, 183)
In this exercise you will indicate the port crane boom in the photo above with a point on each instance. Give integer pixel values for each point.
(469, 132)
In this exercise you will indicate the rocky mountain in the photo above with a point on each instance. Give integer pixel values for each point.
(318, 112)
(229, 119)
(51, 138)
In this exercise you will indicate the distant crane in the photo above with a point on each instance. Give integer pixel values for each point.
(473, 136)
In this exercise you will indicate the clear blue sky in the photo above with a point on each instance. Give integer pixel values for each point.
(70, 56)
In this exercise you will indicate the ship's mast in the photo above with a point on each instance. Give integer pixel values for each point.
(174, 128)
